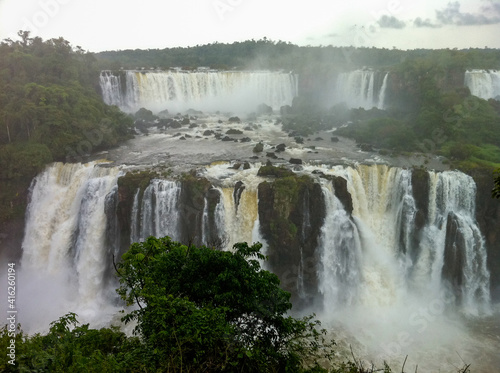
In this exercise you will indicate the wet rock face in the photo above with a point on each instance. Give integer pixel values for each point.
(488, 218)
(192, 204)
(291, 213)
(454, 254)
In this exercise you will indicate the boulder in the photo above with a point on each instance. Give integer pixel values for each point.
(258, 148)
(295, 161)
(280, 148)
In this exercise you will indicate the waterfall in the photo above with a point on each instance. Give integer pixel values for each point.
(209, 90)
(65, 237)
(372, 257)
(341, 254)
(361, 88)
(158, 214)
(383, 89)
(483, 83)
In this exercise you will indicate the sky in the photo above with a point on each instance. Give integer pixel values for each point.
(97, 25)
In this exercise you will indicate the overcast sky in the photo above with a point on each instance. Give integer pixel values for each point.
(124, 24)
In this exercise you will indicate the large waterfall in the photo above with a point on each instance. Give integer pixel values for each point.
(201, 90)
(376, 263)
(483, 83)
(362, 88)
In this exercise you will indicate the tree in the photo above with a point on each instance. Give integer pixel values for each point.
(210, 310)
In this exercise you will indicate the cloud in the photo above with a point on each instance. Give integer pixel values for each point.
(390, 22)
(419, 22)
(451, 15)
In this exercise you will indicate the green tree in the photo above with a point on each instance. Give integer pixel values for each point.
(218, 311)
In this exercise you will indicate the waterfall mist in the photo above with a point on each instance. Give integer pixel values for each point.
(210, 91)
(389, 283)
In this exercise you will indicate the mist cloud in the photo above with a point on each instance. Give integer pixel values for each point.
(390, 22)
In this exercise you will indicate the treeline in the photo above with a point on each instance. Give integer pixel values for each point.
(268, 54)
(50, 109)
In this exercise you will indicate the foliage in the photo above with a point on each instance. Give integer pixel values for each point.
(50, 109)
(69, 347)
(215, 310)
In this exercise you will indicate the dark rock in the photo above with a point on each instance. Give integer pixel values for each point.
(182, 138)
(248, 128)
(299, 140)
(177, 134)
(318, 139)
(185, 120)
(270, 170)
(239, 187)
(227, 138)
(291, 214)
(258, 148)
(175, 124)
(254, 157)
(194, 112)
(280, 148)
(245, 139)
(193, 125)
(232, 131)
(271, 155)
(208, 133)
(246, 166)
(285, 110)
(366, 147)
(188, 136)
(295, 161)
(334, 139)
(264, 109)
(219, 121)
(234, 120)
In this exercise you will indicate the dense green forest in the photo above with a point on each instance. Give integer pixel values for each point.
(269, 54)
(50, 110)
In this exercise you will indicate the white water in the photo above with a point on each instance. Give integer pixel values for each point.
(384, 301)
(158, 213)
(64, 256)
(483, 84)
(377, 295)
(361, 88)
(207, 91)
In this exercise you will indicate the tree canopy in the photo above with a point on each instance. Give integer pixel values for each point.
(208, 310)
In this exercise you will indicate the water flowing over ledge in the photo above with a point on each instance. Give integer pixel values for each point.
(208, 90)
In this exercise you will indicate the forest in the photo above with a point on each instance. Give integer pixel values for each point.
(51, 110)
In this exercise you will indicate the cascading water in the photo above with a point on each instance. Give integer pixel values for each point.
(158, 214)
(178, 91)
(362, 88)
(393, 283)
(483, 83)
(65, 237)
(391, 286)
